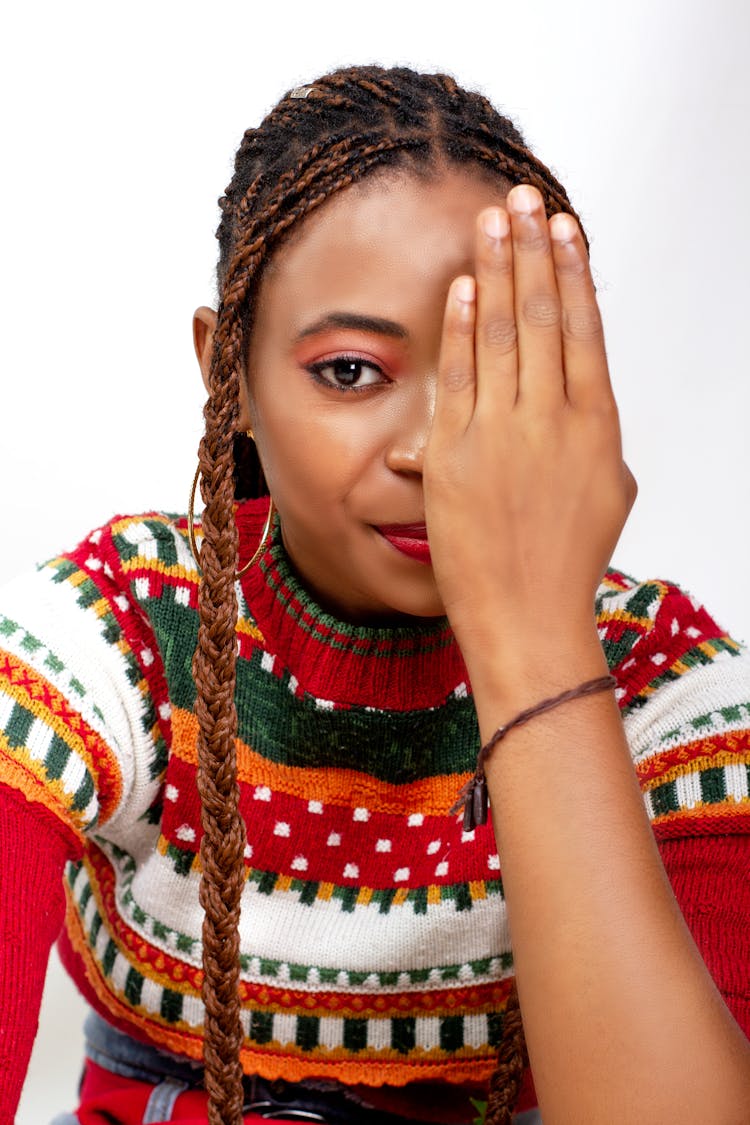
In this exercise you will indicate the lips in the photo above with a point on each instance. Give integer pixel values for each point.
(409, 539)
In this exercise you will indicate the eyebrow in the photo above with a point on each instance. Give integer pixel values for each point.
(377, 324)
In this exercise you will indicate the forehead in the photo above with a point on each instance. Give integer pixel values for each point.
(390, 233)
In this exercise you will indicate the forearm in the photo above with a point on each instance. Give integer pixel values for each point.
(623, 1021)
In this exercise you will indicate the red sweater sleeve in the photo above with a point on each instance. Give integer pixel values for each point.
(33, 850)
(710, 876)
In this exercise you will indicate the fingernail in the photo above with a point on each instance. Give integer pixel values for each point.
(463, 289)
(523, 198)
(495, 223)
(562, 227)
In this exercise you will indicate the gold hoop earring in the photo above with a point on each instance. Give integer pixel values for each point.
(191, 529)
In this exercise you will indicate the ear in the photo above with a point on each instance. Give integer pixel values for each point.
(204, 326)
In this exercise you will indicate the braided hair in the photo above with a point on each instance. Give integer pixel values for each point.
(316, 141)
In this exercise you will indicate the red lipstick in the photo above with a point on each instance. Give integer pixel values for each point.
(408, 538)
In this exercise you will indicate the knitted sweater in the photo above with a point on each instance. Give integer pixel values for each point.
(374, 938)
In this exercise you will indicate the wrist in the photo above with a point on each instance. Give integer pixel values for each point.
(508, 679)
(521, 667)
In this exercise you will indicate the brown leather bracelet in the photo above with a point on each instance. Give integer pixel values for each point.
(473, 797)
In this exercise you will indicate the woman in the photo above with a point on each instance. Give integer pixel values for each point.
(407, 356)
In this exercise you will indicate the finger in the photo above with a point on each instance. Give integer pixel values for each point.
(584, 355)
(537, 304)
(495, 334)
(456, 381)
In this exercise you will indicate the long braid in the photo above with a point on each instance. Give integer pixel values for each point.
(223, 840)
(353, 123)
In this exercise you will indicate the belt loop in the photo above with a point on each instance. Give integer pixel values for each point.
(160, 1105)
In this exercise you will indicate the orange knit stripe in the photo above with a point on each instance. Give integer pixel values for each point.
(724, 749)
(27, 776)
(726, 810)
(432, 796)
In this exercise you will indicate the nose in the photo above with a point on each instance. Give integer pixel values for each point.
(412, 422)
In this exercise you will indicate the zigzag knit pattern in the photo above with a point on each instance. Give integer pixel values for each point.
(374, 939)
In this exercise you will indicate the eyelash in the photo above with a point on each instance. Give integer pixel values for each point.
(315, 371)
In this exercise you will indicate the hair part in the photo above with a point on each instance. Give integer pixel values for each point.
(350, 124)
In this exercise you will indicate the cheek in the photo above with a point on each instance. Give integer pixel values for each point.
(320, 452)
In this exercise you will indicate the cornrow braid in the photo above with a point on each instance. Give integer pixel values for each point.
(351, 124)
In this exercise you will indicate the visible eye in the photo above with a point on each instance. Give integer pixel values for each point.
(347, 373)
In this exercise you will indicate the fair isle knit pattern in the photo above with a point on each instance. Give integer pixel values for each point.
(373, 934)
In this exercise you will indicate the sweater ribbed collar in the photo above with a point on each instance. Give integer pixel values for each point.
(402, 667)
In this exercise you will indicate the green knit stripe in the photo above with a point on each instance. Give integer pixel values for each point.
(394, 746)
(618, 648)
(285, 727)
(463, 895)
(716, 721)
(88, 595)
(708, 788)
(697, 657)
(28, 737)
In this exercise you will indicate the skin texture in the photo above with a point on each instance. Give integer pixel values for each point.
(338, 461)
(497, 425)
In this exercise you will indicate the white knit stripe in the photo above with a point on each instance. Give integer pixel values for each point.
(73, 775)
(284, 1027)
(427, 1032)
(39, 739)
(119, 973)
(688, 788)
(361, 940)
(193, 1011)
(102, 941)
(50, 612)
(366, 940)
(183, 551)
(736, 781)
(88, 914)
(141, 537)
(78, 887)
(80, 877)
(378, 1033)
(476, 1031)
(666, 718)
(151, 994)
(331, 1033)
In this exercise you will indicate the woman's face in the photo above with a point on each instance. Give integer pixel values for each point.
(342, 373)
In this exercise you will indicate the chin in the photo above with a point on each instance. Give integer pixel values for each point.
(415, 601)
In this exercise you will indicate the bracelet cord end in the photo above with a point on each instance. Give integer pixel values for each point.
(474, 800)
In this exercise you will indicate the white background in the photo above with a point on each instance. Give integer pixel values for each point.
(120, 129)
